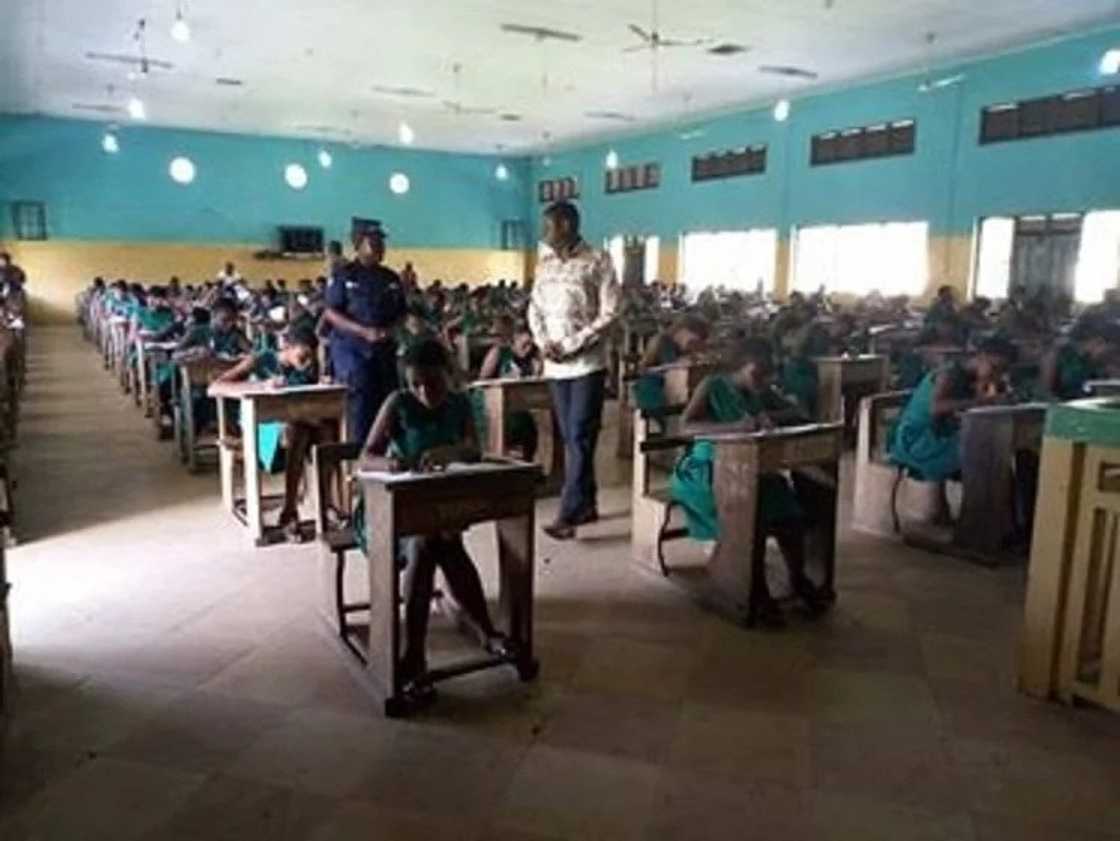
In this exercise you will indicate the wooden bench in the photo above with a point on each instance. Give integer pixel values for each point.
(651, 510)
(190, 443)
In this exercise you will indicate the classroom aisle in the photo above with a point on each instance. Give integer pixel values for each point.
(175, 684)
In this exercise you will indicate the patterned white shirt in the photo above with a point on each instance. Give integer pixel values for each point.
(575, 300)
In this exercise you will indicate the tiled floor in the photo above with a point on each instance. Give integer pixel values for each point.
(175, 684)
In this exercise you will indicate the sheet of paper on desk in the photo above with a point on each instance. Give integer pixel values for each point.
(454, 468)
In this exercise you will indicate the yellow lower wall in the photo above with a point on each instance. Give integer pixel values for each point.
(57, 270)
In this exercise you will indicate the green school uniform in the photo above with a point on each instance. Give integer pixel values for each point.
(926, 445)
(267, 366)
(521, 429)
(691, 482)
(417, 430)
(799, 377)
(1074, 369)
(649, 389)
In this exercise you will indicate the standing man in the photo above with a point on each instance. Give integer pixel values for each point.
(228, 276)
(574, 302)
(364, 304)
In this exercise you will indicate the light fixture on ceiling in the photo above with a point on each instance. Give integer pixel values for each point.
(501, 172)
(398, 183)
(325, 159)
(136, 109)
(1110, 62)
(181, 170)
(296, 176)
(180, 29)
(109, 143)
(611, 160)
(781, 110)
(405, 134)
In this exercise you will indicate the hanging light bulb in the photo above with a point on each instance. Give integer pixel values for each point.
(109, 143)
(180, 29)
(781, 110)
(136, 109)
(501, 172)
(406, 134)
(612, 159)
(1110, 62)
(325, 159)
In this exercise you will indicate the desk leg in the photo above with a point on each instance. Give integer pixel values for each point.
(142, 378)
(494, 399)
(190, 432)
(226, 461)
(251, 470)
(730, 570)
(382, 670)
(987, 502)
(515, 562)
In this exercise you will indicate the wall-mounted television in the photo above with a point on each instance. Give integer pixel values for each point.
(301, 239)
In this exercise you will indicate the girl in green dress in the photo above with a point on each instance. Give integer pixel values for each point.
(426, 427)
(799, 339)
(744, 400)
(926, 439)
(1086, 356)
(685, 336)
(294, 364)
(513, 356)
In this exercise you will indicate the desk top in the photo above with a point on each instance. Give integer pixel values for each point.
(508, 382)
(153, 345)
(1009, 410)
(248, 390)
(782, 433)
(455, 470)
(863, 357)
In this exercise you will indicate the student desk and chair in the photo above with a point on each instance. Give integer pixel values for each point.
(401, 505)
(810, 453)
(260, 403)
(680, 379)
(500, 398)
(193, 376)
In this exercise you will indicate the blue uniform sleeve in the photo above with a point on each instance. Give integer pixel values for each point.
(335, 297)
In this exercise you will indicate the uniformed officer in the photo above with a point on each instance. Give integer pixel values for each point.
(364, 304)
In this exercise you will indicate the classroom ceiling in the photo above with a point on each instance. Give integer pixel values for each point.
(352, 70)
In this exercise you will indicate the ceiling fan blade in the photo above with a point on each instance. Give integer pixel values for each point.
(641, 33)
(789, 71)
(639, 48)
(121, 58)
(97, 107)
(677, 42)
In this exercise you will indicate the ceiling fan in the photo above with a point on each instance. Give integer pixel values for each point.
(653, 41)
(404, 91)
(930, 84)
(788, 71)
(540, 33)
(455, 106)
(109, 107)
(140, 60)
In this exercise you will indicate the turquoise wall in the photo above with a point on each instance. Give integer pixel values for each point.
(239, 194)
(949, 181)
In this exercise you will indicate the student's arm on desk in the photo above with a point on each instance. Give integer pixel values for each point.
(238, 372)
(377, 442)
(695, 418)
(489, 368)
(651, 354)
(943, 405)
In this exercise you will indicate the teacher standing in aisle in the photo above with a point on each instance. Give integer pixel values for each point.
(575, 300)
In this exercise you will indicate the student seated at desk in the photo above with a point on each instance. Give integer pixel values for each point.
(800, 338)
(1092, 346)
(513, 356)
(685, 336)
(220, 336)
(294, 364)
(423, 427)
(927, 437)
(744, 400)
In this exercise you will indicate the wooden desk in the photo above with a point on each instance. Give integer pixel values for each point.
(150, 353)
(740, 460)
(118, 344)
(410, 504)
(884, 339)
(990, 437)
(196, 373)
(261, 403)
(848, 378)
(531, 394)
(1102, 388)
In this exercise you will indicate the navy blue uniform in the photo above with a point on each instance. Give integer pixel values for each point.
(373, 297)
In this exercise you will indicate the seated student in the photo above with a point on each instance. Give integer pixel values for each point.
(425, 427)
(294, 364)
(744, 400)
(927, 436)
(1092, 345)
(800, 338)
(512, 356)
(685, 336)
(221, 337)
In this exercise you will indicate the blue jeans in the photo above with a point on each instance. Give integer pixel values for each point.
(579, 413)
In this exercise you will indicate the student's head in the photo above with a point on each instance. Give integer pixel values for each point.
(690, 333)
(426, 370)
(560, 224)
(99, 283)
(523, 344)
(200, 316)
(753, 362)
(157, 297)
(282, 284)
(229, 268)
(504, 327)
(299, 344)
(994, 356)
(946, 295)
(224, 315)
(414, 321)
(1098, 338)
